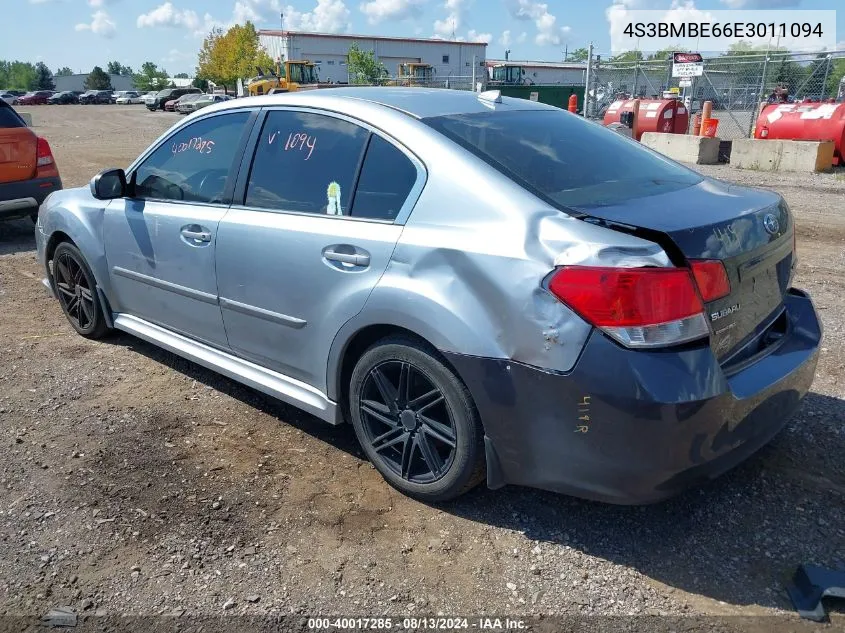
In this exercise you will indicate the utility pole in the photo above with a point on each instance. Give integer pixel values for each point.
(566, 53)
(587, 80)
(282, 19)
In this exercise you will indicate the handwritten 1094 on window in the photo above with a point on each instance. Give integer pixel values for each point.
(197, 144)
(296, 141)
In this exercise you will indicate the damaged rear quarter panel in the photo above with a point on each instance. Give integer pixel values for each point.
(467, 271)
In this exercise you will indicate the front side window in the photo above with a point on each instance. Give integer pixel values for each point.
(194, 163)
(568, 161)
(305, 162)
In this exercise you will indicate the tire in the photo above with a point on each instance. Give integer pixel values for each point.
(434, 422)
(76, 289)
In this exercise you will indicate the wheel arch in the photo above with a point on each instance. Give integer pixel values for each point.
(355, 338)
(69, 219)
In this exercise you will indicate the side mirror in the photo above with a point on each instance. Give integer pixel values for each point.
(109, 184)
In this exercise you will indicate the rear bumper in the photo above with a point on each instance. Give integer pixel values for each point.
(19, 199)
(634, 427)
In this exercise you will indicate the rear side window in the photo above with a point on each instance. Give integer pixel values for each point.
(386, 179)
(305, 162)
(564, 159)
(194, 163)
(8, 117)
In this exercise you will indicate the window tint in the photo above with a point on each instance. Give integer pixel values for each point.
(387, 178)
(569, 161)
(194, 163)
(305, 162)
(8, 116)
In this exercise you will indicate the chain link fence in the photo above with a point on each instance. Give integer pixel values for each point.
(736, 84)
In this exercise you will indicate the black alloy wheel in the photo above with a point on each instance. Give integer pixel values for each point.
(76, 290)
(416, 421)
(408, 421)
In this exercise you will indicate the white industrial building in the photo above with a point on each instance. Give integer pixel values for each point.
(545, 73)
(448, 58)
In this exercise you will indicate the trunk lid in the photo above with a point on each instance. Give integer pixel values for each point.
(749, 230)
(18, 147)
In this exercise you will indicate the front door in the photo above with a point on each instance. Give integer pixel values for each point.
(303, 253)
(160, 241)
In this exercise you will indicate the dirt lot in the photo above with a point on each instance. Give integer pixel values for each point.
(133, 482)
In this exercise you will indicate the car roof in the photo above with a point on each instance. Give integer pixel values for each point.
(420, 103)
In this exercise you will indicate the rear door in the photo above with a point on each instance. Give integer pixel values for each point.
(302, 252)
(18, 146)
(160, 242)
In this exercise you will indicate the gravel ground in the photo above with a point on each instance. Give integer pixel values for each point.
(135, 483)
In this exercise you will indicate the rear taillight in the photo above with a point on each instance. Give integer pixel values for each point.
(44, 154)
(44, 160)
(711, 279)
(639, 307)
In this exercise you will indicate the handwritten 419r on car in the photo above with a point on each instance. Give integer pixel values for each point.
(457, 277)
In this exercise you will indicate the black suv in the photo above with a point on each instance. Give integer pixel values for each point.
(169, 94)
(96, 96)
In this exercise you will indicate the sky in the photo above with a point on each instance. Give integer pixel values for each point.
(84, 33)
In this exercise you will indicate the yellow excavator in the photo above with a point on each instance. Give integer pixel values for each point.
(289, 76)
(413, 74)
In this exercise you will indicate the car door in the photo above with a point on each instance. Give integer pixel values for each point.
(160, 241)
(300, 254)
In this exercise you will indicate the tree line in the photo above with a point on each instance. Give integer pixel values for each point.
(19, 75)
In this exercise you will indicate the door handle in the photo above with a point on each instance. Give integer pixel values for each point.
(199, 236)
(356, 259)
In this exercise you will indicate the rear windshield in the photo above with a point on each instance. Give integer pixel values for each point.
(8, 117)
(564, 159)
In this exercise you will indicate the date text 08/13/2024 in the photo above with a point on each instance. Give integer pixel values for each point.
(418, 624)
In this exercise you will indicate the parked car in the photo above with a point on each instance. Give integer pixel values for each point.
(476, 294)
(130, 97)
(170, 94)
(28, 172)
(207, 100)
(63, 98)
(9, 98)
(37, 97)
(149, 97)
(92, 97)
(185, 103)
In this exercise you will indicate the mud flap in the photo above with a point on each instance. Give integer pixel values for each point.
(809, 585)
(495, 478)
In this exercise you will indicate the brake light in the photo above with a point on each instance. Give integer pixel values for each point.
(46, 166)
(639, 307)
(711, 279)
(44, 154)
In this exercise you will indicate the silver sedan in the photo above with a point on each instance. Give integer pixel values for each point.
(484, 287)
